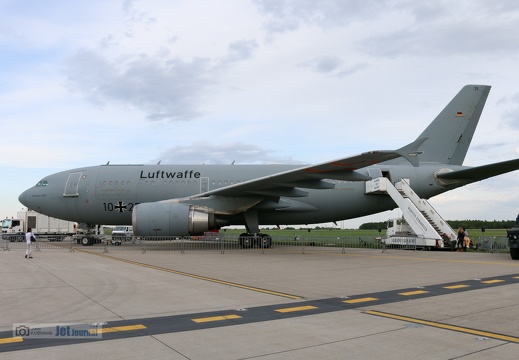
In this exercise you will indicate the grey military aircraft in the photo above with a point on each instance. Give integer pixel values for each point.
(178, 200)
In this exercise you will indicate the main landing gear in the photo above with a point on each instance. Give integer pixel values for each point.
(247, 240)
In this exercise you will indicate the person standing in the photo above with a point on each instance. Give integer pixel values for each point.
(466, 239)
(461, 239)
(29, 238)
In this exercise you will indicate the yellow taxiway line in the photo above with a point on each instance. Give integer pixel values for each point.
(199, 277)
(454, 287)
(216, 318)
(297, 308)
(11, 340)
(120, 328)
(492, 281)
(361, 300)
(445, 326)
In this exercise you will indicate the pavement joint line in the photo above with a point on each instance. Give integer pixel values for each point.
(216, 318)
(411, 293)
(444, 326)
(297, 308)
(199, 277)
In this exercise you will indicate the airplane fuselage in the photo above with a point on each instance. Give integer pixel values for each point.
(107, 194)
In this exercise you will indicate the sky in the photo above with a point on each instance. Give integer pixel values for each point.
(255, 82)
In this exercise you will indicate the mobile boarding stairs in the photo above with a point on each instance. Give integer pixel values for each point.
(423, 219)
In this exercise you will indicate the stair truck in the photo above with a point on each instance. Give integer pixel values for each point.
(421, 226)
(400, 234)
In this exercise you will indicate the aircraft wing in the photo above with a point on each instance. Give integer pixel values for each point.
(481, 172)
(288, 183)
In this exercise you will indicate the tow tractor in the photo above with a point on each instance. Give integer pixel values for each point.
(89, 235)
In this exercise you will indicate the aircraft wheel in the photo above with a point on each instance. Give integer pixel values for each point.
(264, 241)
(86, 241)
(514, 253)
(245, 241)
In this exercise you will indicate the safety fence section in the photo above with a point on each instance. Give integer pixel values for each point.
(229, 242)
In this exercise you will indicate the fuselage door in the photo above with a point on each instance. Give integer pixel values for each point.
(72, 185)
(374, 173)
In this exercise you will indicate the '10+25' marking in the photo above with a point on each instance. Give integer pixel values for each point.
(120, 206)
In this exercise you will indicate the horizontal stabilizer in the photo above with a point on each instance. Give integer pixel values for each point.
(481, 172)
(410, 151)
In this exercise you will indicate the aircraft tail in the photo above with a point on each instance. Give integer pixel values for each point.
(447, 139)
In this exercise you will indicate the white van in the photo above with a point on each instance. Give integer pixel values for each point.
(121, 233)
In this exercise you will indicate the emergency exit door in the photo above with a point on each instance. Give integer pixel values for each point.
(72, 185)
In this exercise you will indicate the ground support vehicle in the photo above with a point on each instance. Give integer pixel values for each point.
(43, 227)
(513, 241)
(89, 235)
(120, 234)
(400, 235)
(421, 226)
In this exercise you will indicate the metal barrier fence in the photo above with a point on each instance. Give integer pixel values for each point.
(230, 242)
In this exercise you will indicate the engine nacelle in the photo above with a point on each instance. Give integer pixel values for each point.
(168, 218)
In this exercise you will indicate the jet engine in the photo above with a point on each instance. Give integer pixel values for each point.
(168, 218)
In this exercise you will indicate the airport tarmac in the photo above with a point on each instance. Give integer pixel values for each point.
(246, 304)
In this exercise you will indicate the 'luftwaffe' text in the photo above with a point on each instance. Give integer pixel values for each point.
(160, 174)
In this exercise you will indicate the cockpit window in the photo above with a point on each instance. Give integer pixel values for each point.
(42, 183)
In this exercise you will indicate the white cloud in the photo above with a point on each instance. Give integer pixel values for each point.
(228, 153)
(162, 88)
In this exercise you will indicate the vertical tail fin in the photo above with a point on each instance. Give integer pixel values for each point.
(447, 139)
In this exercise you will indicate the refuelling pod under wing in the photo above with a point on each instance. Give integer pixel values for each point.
(168, 218)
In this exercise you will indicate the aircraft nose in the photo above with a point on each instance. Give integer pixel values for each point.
(23, 198)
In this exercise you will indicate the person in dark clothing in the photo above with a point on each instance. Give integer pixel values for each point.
(461, 239)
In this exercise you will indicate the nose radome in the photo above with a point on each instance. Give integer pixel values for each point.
(22, 198)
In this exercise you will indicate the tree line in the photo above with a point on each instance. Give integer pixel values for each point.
(455, 224)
